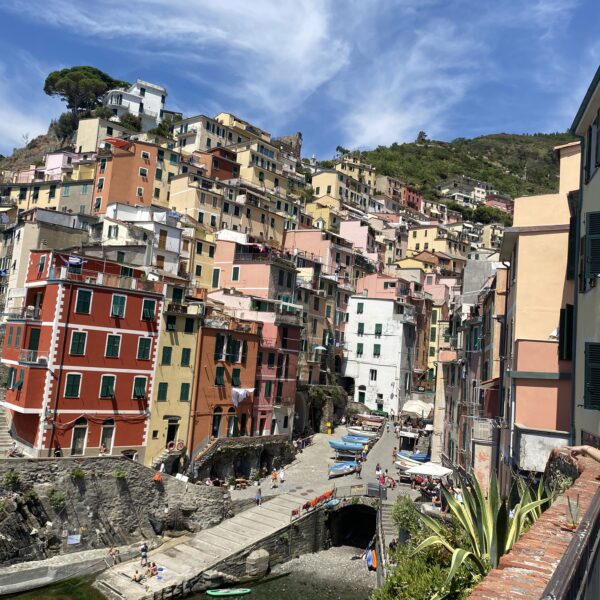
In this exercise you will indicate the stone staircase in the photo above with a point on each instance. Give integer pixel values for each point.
(390, 530)
(5, 437)
(196, 553)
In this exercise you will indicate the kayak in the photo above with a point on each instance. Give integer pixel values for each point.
(346, 446)
(419, 457)
(230, 592)
(357, 439)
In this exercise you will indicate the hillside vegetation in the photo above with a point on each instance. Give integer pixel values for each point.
(517, 165)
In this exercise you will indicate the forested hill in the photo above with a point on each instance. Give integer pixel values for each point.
(517, 165)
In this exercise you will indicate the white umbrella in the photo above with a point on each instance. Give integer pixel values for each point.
(319, 348)
(429, 468)
(417, 408)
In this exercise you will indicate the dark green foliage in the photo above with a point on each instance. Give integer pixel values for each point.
(103, 112)
(161, 130)
(65, 126)
(11, 479)
(80, 87)
(131, 122)
(58, 499)
(481, 214)
(77, 473)
(499, 159)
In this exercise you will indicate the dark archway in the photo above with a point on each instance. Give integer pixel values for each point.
(353, 525)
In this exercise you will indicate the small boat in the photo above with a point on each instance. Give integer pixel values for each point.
(357, 439)
(359, 431)
(229, 592)
(344, 456)
(332, 503)
(343, 468)
(348, 446)
(375, 418)
(418, 456)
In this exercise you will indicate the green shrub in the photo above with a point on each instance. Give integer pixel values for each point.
(58, 499)
(31, 497)
(11, 479)
(77, 473)
(120, 472)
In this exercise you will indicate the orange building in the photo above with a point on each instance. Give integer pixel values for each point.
(225, 379)
(133, 172)
(219, 163)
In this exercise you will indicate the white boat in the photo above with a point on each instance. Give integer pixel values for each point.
(359, 431)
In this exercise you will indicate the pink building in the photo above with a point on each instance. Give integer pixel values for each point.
(363, 238)
(503, 203)
(277, 363)
(382, 287)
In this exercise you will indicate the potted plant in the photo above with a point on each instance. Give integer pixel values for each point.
(231, 483)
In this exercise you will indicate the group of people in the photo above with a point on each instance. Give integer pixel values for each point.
(383, 477)
(431, 490)
(151, 567)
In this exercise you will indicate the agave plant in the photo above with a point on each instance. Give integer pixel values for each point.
(491, 528)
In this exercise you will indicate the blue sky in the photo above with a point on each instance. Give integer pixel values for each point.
(353, 72)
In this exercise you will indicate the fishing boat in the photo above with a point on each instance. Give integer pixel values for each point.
(348, 446)
(418, 456)
(343, 468)
(229, 592)
(359, 431)
(374, 418)
(357, 439)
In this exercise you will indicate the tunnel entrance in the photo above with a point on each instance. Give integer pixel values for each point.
(352, 525)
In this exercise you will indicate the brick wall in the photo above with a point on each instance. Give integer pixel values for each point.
(526, 570)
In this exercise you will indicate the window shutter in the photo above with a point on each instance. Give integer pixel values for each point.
(219, 347)
(592, 245)
(378, 328)
(565, 329)
(230, 349)
(244, 351)
(592, 376)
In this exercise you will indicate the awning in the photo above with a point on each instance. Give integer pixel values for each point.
(490, 384)
(429, 468)
(417, 408)
(447, 356)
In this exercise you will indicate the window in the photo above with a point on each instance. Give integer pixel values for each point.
(431, 350)
(213, 220)
(271, 360)
(52, 192)
(120, 256)
(78, 339)
(139, 387)
(376, 350)
(434, 317)
(72, 386)
(158, 174)
(219, 347)
(189, 325)
(361, 397)
(83, 303)
(361, 329)
(143, 350)
(10, 337)
(171, 323)
(211, 251)
(148, 309)
(17, 337)
(184, 394)
(378, 329)
(113, 344)
(372, 374)
(592, 246)
(118, 306)
(163, 390)
(157, 192)
(359, 350)
(433, 334)
(186, 354)
(199, 247)
(268, 388)
(235, 274)
(107, 386)
(143, 172)
(166, 355)
(220, 376)
(359, 308)
(565, 332)
(215, 278)
(236, 377)
(139, 192)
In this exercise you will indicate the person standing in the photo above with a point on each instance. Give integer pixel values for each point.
(273, 479)
(358, 469)
(281, 476)
(144, 554)
(394, 454)
(258, 497)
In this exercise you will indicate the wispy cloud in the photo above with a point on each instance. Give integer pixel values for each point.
(24, 112)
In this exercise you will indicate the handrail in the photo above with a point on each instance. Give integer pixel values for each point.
(571, 578)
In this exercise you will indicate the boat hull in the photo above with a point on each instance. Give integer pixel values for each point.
(418, 457)
(348, 446)
(356, 439)
(341, 469)
(358, 431)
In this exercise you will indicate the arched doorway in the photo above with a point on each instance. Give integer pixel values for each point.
(107, 435)
(172, 429)
(216, 421)
(231, 423)
(353, 525)
(79, 436)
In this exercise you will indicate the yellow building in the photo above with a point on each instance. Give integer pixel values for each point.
(67, 195)
(437, 332)
(189, 196)
(436, 238)
(361, 172)
(324, 217)
(342, 187)
(174, 376)
(242, 128)
(93, 132)
(491, 236)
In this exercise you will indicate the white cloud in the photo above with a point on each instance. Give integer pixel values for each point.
(24, 109)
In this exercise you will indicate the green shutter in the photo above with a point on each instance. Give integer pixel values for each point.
(84, 300)
(359, 349)
(118, 306)
(148, 310)
(166, 355)
(230, 351)
(220, 376)
(361, 328)
(378, 328)
(219, 347)
(72, 387)
(139, 387)
(268, 388)
(163, 389)
(107, 388)
(359, 308)
(376, 350)
(112, 346)
(143, 349)
(77, 343)
(185, 357)
(592, 376)
(184, 394)
(235, 377)
(592, 245)
(244, 351)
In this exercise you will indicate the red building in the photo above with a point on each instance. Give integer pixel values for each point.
(412, 197)
(219, 163)
(503, 203)
(81, 356)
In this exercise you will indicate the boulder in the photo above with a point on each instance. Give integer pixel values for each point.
(257, 563)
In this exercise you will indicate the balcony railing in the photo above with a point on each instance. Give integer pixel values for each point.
(106, 279)
(26, 313)
(33, 357)
(174, 307)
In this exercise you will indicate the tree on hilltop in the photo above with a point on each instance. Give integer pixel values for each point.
(80, 87)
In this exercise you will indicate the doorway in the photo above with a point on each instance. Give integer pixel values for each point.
(79, 435)
(172, 429)
(107, 435)
(262, 423)
(216, 423)
(34, 339)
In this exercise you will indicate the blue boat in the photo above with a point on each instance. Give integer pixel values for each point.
(356, 439)
(416, 456)
(352, 447)
(343, 468)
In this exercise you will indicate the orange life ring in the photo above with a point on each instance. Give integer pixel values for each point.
(180, 445)
(170, 446)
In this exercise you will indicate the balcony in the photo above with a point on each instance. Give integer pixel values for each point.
(29, 313)
(188, 131)
(106, 279)
(283, 317)
(33, 357)
(178, 309)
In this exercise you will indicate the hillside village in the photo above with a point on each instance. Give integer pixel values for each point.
(194, 294)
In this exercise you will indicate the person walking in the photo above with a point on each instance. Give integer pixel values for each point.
(144, 554)
(273, 479)
(281, 476)
(258, 497)
(394, 454)
(358, 469)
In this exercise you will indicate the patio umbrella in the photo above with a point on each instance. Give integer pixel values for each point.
(417, 408)
(429, 468)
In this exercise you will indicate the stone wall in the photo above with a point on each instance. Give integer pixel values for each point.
(107, 501)
(226, 457)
